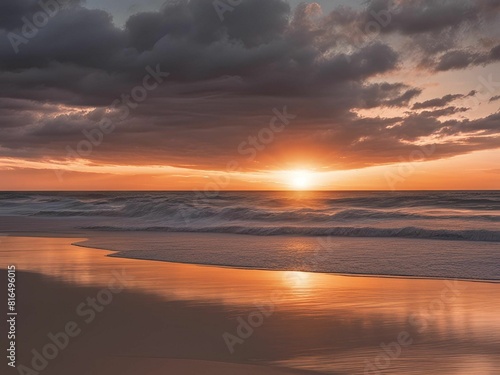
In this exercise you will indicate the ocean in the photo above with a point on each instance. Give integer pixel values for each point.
(452, 234)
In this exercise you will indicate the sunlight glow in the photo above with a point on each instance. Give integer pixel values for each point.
(300, 179)
(297, 279)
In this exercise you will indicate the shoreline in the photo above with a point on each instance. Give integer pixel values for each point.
(88, 236)
(173, 316)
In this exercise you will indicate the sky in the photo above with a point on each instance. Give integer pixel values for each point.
(249, 94)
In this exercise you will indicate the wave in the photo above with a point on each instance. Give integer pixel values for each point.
(468, 216)
(168, 211)
(404, 232)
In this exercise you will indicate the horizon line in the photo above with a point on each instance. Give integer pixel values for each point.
(243, 190)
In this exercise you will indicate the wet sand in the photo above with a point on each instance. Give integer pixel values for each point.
(135, 334)
(172, 318)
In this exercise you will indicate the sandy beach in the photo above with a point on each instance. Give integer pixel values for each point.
(186, 319)
(250, 187)
(137, 334)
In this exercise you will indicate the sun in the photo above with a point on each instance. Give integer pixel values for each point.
(300, 179)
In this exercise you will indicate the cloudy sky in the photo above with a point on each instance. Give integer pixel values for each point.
(241, 94)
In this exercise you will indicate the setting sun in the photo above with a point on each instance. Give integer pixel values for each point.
(300, 179)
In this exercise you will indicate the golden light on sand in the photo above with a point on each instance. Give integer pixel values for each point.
(300, 179)
(297, 279)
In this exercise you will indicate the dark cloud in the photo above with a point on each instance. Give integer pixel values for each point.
(438, 102)
(448, 111)
(495, 53)
(198, 22)
(438, 28)
(423, 16)
(225, 78)
(441, 102)
(386, 95)
(461, 59)
(13, 11)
